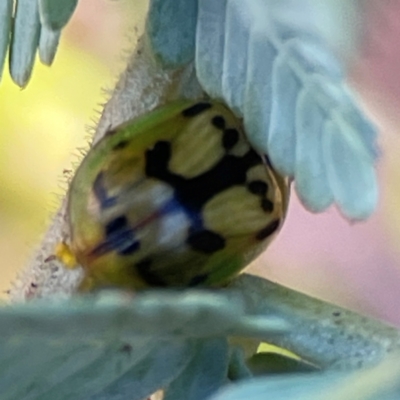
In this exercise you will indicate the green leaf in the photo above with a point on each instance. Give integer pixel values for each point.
(115, 346)
(379, 383)
(157, 370)
(206, 372)
(171, 28)
(48, 44)
(297, 387)
(321, 333)
(24, 41)
(6, 9)
(269, 62)
(192, 313)
(54, 14)
(64, 370)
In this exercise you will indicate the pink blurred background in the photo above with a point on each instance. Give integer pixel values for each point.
(355, 265)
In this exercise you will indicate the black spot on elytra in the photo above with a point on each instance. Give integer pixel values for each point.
(219, 122)
(267, 205)
(143, 268)
(100, 192)
(119, 237)
(268, 230)
(116, 225)
(258, 187)
(206, 241)
(121, 145)
(230, 138)
(157, 160)
(196, 109)
(191, 194)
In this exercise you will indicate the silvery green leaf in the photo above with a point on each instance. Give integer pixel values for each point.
(311, 173)
(157, 370)
(352, 183)
(270, 62)
(234, 66)
(112, 345)
(325, 335)
(280, 143)
(204, 375)
(46, 369)
(24, 41)
(27, 33)
(116, 346)
(259, 95)
(48, 44)
(298, 58)
(379, 383)
(54, 14)
(350, 169)
(171, 26)
(6, 9)
(238, 367)
(163, 313)
(297, 387)
(211, 18)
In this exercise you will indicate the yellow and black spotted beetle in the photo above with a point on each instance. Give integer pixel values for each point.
(177, 198)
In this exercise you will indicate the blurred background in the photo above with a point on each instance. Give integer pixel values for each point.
(44, 125)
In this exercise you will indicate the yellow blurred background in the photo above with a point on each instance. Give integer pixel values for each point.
(43, 125)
